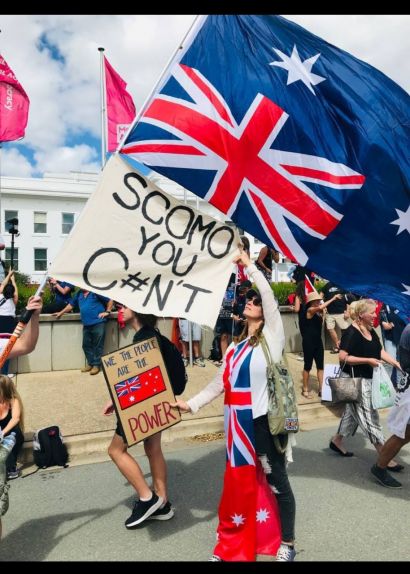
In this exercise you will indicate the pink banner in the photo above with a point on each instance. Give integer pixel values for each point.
(14, 105)
(120, 107)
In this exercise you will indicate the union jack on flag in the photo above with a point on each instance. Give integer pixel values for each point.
(128, 386)
(209, 138)
(298, 142)
(240, 449)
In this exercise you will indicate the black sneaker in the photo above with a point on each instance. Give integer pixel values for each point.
(384, 477)
(164, 513)
(142, 509)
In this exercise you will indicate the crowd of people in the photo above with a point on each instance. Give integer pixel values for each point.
(248, 319)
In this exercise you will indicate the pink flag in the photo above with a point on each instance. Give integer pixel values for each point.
(14, 104)
(120, 107)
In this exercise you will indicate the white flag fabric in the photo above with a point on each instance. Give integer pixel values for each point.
(138, 245)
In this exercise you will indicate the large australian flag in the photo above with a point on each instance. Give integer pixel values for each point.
(300, 143)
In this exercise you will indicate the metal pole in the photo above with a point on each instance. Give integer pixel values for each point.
(12, 252)
(103, 109)
(199, 20)
(191, 361)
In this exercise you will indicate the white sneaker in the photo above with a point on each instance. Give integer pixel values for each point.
(285, 553)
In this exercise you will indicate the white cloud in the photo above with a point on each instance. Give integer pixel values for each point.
(77, 158)
(65, 93)
(13, 163)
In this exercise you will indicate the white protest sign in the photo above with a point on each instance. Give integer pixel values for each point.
(141, 247)
(330, 370)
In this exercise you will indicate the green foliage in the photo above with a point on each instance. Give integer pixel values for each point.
(26, 291)
(282, 290)
(21, 279)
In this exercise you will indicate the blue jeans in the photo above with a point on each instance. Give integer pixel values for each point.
(93, 343)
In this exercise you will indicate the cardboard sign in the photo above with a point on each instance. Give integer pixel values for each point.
(140, 389)
(138, 245)
(330, 371)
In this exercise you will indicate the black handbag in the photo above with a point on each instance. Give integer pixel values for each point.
(345, 389)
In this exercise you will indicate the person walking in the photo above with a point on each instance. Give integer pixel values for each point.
(398, 421)
(312, 340)
(153, 504)
(94, 311)
(360, 351)
(336, 316)
(243, 378)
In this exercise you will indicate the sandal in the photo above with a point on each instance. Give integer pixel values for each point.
(307, 395)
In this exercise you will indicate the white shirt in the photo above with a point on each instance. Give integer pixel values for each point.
(7, 307)
(275, 338)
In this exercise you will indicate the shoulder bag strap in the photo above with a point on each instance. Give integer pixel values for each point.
(268, 358)
(339, 373)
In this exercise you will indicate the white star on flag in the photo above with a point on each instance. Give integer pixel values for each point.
(132, 399)
(298, 70)
(403, 220)
(407, 291)
(238, 519)
(262, 515)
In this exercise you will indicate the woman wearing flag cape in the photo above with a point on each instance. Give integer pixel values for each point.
(248, 512)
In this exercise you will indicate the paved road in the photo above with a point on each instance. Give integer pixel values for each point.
(78, 513)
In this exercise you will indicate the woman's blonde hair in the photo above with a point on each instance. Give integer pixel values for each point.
(8, 393)
(363, 306)
(352, 310)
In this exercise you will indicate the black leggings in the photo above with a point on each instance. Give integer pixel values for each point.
(274, 466)
(312, 349)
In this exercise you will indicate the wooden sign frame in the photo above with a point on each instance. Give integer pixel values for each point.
(141, 391)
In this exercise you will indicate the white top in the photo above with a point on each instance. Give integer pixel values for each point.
(7, 307)
(275, 338)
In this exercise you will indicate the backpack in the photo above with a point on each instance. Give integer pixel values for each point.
(48, 448)
(282, 404)
(174, 364)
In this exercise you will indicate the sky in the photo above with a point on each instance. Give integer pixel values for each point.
(56, 59)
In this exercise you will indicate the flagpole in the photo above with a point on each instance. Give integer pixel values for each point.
(198, 22)
(103, 109)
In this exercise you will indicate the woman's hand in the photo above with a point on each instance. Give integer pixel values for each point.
(35, 303)
(374, 362)
(108, 409)
(181, 405)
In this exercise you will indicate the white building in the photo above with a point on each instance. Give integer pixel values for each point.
(47, 208)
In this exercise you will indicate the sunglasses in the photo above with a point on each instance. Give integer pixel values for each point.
(256, 301)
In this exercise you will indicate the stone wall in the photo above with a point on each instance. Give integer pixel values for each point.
(59, 344)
